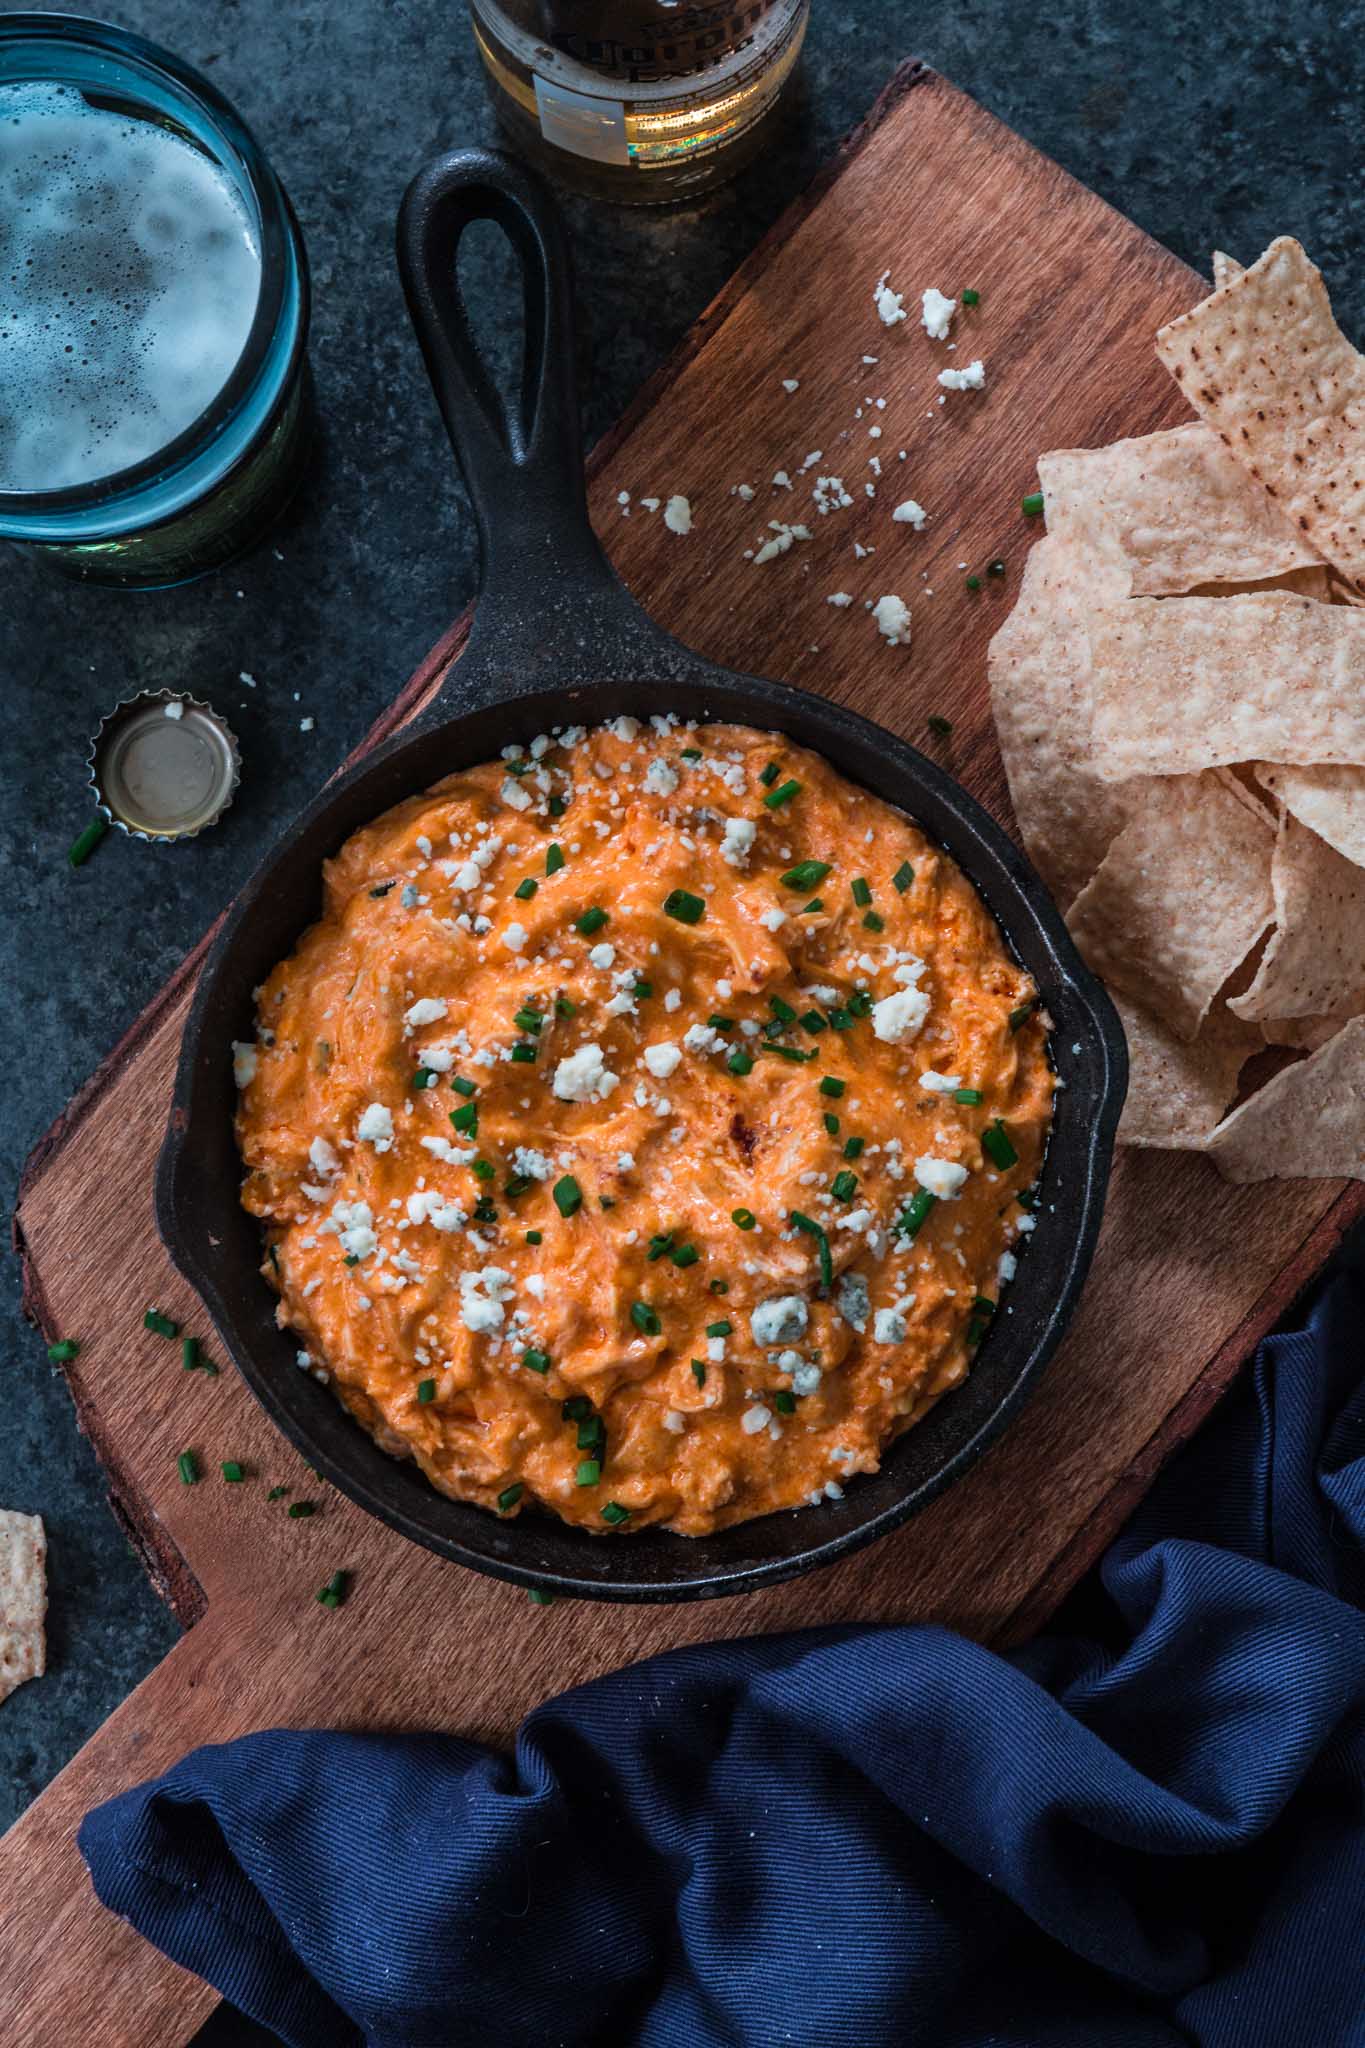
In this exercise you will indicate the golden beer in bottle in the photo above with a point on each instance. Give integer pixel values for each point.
(639, 100)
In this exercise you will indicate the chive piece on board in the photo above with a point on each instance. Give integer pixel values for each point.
(614, 1514)
(783, 794)
(973, 583)
(806, 874)
(995, 1143)
(912, 1218)
(645, 1318)
(426, 1391)
(568, 1195)
(743, 1219)
(300, 1510)
(233, 1472)
(903, 877)
(63, 1351)
(162, 1325)
(277, 1493)
(509, 1497)
(188, 1467)
(534, 1594)
(940, 727)
(971, 298)
(817, 1231)
(85, 842)
(1032, 505)
(682, 904)
(334, 1592)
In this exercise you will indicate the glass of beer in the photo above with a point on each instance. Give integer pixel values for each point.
(154, 403)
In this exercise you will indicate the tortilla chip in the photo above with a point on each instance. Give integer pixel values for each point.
(1225, 268)
(1179, 900)
(1178, 1091)
(1182, 684)
(1178, 507)
(1330, 801)
(1314, 964)
(1313, 580)
(1307, 1122)
(23, 1599)
(1264, 362)
(1040, 693)
(1305, 1034)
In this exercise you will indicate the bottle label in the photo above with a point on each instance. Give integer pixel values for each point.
(582, 123)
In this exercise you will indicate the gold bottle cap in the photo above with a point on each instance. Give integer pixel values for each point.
(163, 765)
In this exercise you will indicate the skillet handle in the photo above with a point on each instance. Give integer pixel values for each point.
(546, 586)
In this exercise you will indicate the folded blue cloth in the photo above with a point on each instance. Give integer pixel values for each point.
(1147, 1830)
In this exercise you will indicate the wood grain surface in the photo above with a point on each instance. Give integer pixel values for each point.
(1189, 1274)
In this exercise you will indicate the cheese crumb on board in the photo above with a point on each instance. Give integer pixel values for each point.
(678, 515)
(973, 378)
(937, 314)
(893, 620)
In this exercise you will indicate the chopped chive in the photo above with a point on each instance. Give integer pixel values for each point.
(589, 1433)
(383, 888)
(615, 1514)
(685, 1255)
(232, 1471)
(564, 1008)
(903, 877)
(995, 1143)
(721, 1023)
(812, 1021)
(334, 1592)
(85, 842)
(606, 1201)
(968, 1097)
(740, 1061)
(831, 1123)
(699, 1371)
(466, 1119)
(853, 1149)
(661, 1242)
(536, 1361)
(830, 1084)
(840, 1018)
(973, 583)
(1032, 505)
(691, 753)
(188, 1467)
(484, 1210)
(463, 1087)
(534, 1594)
(792, 1053)
(861, 892)
(589, 1472)
(509, 1497)
(721, 1329)
(844, 1186)
(995, 568)
(860, 1003)
(642, 990)
(62, 1352)
(163, 1326)
(743, 1219)
(591, 921)
(645, 1318)
(524, 1053)
(528, 1019)
(809, 909)
(482, 1169)
(300, 1510)
(912, 1218)
(517, 767)
(682, 904)
(425, 1077)
(568, 1195)
(517, 1184)
(940, 727)
(983, 1305)
(782, 1010)
(189, 1353)
(970, 298)
(575, 1408)
(554, 858)
(720, 1287)
(806, 875)
(557, 806)
(873, 922)
(1023, 1013)
(524, 891)
(816, 1230)
(426, 1391)
(277, 1493)
(783, 794)
(770, 775)
(535, 1237)
(351, 1259)
(784, 1402)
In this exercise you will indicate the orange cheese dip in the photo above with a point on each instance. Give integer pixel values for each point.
(639, 1133)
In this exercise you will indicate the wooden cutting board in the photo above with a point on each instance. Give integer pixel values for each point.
(1190, 1271)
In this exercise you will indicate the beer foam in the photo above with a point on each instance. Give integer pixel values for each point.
(129, 277)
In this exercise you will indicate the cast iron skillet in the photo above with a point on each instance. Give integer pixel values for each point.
(557, 639)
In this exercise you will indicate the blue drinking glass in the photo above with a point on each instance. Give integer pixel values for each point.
(211, 491)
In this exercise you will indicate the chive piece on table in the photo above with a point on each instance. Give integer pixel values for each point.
(1032, 505)
(614, 1514)
(682, 904)
(233, 1472)
(861, 891)
(524, 891)
(995, 1143)
(968, 1097)
(277, 1493)
(163, 1326)
(554, 858)
(830, 1084)
(783, 794)
(334, 1592)
(940, 727)
(973, 583)
(85, 842)
(699, 1371)
(62, 1352)
(188, 1467)
(743, 1219)
(817, 1231)
(536, 1361)
(903, 877)
(591, 921)
(645, 1318)
(568, 1195)
(806, 874)
(912, 1218)
(300, 1510)
(534, 1594)
(509, 1497)
(971, 298)
(426, 1391)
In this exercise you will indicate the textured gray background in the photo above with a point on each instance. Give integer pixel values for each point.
(1222, 125)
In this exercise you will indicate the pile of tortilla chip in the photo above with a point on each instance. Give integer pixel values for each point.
(1180, 699)
(23, 1598)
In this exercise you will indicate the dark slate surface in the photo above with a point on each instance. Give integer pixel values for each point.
(1213, 126)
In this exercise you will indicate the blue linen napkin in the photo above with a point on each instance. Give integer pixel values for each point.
(1145, 1828)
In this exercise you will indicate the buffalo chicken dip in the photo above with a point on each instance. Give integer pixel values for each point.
(644, 1131)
